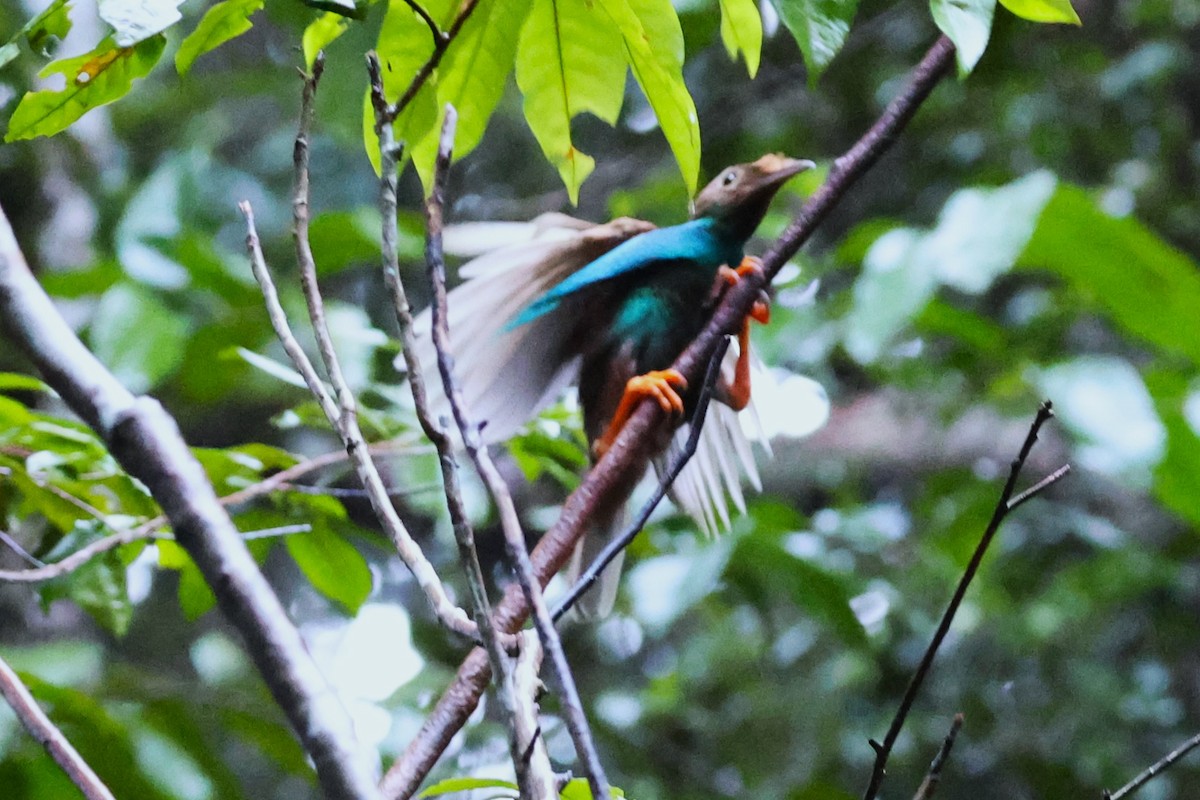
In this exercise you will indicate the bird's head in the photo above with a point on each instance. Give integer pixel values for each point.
(738, 197)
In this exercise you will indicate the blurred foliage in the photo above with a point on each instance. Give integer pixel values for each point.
(1033, 232)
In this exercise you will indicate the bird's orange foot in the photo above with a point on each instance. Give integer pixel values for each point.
(663, 386)
(761, 310)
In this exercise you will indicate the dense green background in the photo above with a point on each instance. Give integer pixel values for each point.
(757, 665)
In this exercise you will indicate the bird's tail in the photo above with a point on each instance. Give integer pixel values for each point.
(597, 602)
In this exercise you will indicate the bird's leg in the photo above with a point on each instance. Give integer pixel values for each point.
(737, 394)
(661, 385)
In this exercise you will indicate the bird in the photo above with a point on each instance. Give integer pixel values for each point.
(609, 307)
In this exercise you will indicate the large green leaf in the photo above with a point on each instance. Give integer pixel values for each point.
(222, 22)
(472, 78)
(1043, 10)
(569, 61)
(137, 336)
(820, 28)
(1142, 283)
(93, 79)
(742, 31)
(332, 565)
(968, 23)
(654, 46)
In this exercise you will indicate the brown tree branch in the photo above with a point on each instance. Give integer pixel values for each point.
(440, 45)
(459, 700)
(147, 443)
(47, 734)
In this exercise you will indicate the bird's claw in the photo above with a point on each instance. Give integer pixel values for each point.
(663, 386)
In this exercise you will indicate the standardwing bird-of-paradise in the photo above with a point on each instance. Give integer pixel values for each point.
(610, 307)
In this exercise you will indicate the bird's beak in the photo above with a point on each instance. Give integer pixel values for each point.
(776, 168)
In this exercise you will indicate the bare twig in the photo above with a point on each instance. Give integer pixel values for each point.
(460, 699)
(49, 736)
(1154, 770)
(514, 537)
(146, 442)
(883, 750)
(440, 45)
(16, 547)
(934, 776)
(439, 38)
(342, 415)
(678, 462)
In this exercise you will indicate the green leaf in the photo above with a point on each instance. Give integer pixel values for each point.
(1143, 284)
(452, 785)
(93, 79)
(1177, 478)
(342, 239)
(968, 23)
(332, 565)
(820, 28)
(137, 337)
(98, 587)
(135, 21)
(320, 33)
(570, 60)
(222, 22)
(472, 78)
(13, 382)
(1043, 10)
(654, 46)
(52, 24)
(195, 597)
(742, 31)
(578, 789)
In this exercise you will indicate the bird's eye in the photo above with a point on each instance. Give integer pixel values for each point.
(729, 177)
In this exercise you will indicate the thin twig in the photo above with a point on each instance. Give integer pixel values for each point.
(678, 462)
(510, 524)
(440, 45)
(418, 9)
(342, 415)
(934, 776)
(883, 750)
(556, 546)
(1039, 487)
(49, 736)
(16, 547)
(1154, 770)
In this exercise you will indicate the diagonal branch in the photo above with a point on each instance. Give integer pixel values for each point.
(144, 438)
(49, 736)
(460, 699)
